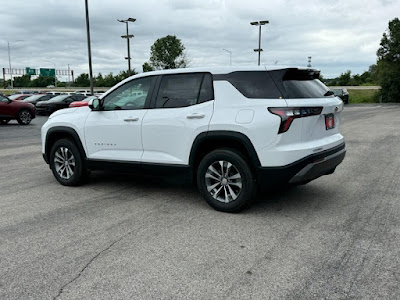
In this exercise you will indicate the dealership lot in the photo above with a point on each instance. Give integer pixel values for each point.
(121, 237)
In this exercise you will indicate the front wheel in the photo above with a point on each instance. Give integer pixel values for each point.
(24, 117)
(225, 180)
(66, 163)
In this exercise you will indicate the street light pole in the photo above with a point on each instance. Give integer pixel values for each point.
(230, 56)
(89, 48)
(259, 24)
(9, 61)
(128, 37)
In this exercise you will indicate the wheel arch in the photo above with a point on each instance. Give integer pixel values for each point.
(25, 108)
(208, 141)
(60, 132)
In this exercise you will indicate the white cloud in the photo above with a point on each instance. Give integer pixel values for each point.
(339, 35)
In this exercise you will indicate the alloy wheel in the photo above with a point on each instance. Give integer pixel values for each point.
(64, 162)
(25, 117)
(223, 181)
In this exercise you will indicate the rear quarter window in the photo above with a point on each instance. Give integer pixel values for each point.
(252, 84)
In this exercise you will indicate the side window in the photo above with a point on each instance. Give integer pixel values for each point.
(131, 95)
(181, 90)
(206, 91)
(253, 84)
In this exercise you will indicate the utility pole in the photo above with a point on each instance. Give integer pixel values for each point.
(127, 37)
(230, 56)
(89, 48)
(259, 24)
(69, 82)
(9, 61)
(309, 62)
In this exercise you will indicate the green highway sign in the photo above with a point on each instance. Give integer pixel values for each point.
(47, 72)
(30, 71)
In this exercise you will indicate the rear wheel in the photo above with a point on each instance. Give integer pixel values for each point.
(225, 180)
(4, 122)
(66, 163)
(24, 117)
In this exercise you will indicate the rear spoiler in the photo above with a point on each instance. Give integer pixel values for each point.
(301, 74)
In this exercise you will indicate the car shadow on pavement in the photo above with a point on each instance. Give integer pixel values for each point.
(277, 199)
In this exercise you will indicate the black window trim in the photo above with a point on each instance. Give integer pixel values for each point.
(158, 84)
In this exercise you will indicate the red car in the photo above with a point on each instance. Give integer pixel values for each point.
(10, 109)
(19, 96)
(82, 103)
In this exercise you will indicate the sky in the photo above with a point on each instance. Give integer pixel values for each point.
(338, 35)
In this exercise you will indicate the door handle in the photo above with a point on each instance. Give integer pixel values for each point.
(196, 116)
(131, 119)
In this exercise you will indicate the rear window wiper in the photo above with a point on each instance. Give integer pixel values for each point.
(329, 93)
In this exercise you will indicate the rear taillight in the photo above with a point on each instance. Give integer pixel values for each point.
(288, 114)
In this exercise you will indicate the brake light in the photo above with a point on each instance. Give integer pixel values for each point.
(288, 114)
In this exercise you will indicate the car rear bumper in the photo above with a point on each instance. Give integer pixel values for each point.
(304, 170)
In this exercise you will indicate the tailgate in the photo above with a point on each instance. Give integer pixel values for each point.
(323, 125)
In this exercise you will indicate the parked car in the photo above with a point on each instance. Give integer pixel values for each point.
(83, 102)
(230, 130)
(56, 103)
(11, 109)
(87, 93)
(342, 94)
(53, 93)
(34, 99)
(19, 96)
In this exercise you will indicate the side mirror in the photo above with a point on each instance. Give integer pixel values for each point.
(94, 104)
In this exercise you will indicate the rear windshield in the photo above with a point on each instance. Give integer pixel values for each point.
(304, 88)
(303, 84)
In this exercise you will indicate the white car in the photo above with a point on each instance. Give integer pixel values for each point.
(229, 129)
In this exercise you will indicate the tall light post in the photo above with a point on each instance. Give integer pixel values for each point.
(69, 82)
(230, 56)
(9, 60)
(89, 47)
(259, 24)
(127, 37)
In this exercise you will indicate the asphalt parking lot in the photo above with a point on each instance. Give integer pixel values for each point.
(122, 237)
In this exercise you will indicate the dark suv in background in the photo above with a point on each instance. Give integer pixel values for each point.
(12, 109)
(342, 94)
(56, 103)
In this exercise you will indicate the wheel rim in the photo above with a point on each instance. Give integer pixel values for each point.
(25, 117)
(223, 181)
(64, 162)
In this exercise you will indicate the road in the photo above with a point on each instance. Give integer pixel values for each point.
(121, 237)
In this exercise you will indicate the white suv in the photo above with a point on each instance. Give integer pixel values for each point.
(228, 129)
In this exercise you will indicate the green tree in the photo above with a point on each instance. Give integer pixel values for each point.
(124, 74)
(146, 67)
(388, 66)
(167, 53)
(344, 79)
(82, 80)
(42, 81)
(98, 80)
(22, 81)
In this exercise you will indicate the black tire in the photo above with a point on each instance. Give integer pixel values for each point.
(24, 117)
(4, 122)
(79, 170)
(244, 196)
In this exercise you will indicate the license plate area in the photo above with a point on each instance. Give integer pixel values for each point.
(329, 121)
